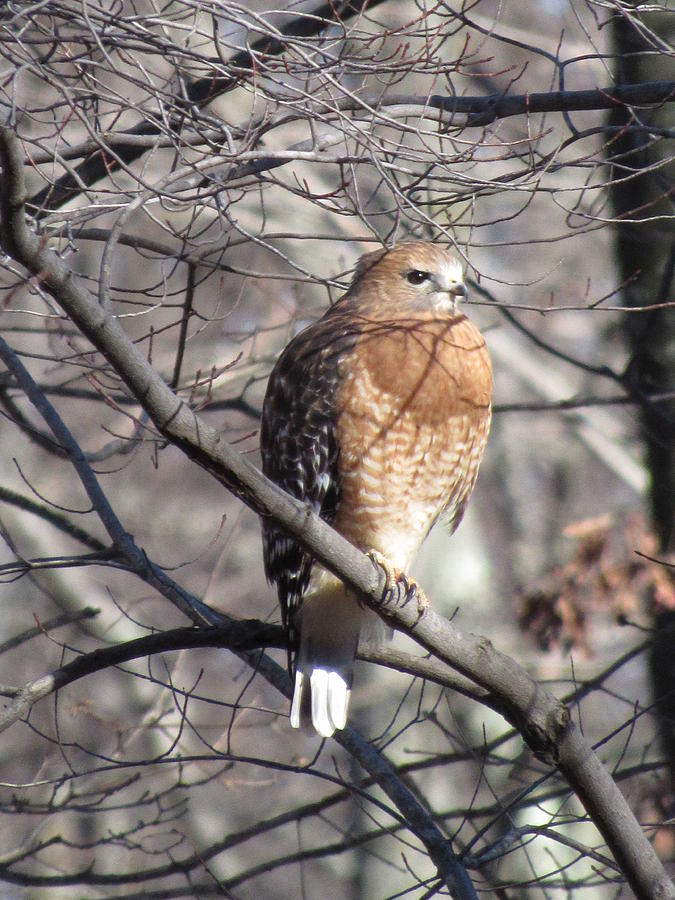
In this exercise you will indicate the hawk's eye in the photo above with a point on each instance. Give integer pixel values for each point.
(417, 277)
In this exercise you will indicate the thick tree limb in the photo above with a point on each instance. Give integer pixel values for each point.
(479, 112)
(239, 635)
(645, 257)
(484, 110)
(544, 721)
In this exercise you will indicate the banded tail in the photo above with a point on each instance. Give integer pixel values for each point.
(330, 624)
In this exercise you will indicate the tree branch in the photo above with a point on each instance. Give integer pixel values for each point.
(123, 542)
(198, 95)
(241, 635)
(484, 110)
(236, 636)
(480, 111)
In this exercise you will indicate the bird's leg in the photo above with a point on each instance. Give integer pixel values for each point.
(398, 587)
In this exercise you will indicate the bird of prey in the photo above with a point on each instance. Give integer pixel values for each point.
(376, 416)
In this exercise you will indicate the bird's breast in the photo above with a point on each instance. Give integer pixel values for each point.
(413, 416)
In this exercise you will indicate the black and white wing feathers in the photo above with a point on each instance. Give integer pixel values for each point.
(299, 445)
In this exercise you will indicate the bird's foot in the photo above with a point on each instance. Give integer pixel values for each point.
(398, 588)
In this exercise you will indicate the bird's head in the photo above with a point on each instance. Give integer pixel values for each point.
(415, 275)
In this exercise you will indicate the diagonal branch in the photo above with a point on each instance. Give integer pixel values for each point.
(123, 542)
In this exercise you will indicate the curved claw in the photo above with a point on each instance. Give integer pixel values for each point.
(399, 588)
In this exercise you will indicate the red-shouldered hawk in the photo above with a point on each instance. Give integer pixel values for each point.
(377, 417)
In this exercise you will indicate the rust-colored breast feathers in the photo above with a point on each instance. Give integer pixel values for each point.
(413, 416)
(435, 368)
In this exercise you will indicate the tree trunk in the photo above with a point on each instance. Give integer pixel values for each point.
(642, 195)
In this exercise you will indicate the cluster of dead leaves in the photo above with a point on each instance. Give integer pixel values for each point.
(612, 574)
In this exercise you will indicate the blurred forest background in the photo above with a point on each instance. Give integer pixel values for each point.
(212, 171)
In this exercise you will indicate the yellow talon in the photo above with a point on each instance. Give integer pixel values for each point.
(391, 573)
(395, 578)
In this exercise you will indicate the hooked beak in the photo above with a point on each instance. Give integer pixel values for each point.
(447, 298)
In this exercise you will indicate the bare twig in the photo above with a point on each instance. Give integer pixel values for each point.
(50, 625)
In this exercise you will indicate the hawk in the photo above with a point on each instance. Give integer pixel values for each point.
(376, 416)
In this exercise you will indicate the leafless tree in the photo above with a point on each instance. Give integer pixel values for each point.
(183, 186)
